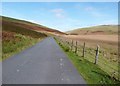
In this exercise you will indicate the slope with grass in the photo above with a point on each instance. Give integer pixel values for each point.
(29, 25)
(96, 30)
(15, 37)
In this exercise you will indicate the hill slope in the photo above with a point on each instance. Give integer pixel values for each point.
(28, 25)
(16, 37)
(96, 30)
(11, 25)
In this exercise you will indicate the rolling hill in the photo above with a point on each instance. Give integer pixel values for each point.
(6, 21)
(96, 30)
(10, 27)
(16, 36)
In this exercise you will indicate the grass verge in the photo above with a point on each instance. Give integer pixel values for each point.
(90, 72)
(13, 43)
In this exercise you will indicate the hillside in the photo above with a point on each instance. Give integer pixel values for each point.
(16, 37)
(96, 30)
(28, 25)
(10, 25)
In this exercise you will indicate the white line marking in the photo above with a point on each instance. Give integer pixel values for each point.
(61, 59)
(18, 70)
(61, 64)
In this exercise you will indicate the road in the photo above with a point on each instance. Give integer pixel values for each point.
(44, 63)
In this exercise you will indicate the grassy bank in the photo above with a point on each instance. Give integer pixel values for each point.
(17, 35)
(13, 43)
(90, 72)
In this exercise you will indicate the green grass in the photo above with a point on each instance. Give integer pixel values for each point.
(108, 56)
(92, 73)
(17, 44)
(108, 63)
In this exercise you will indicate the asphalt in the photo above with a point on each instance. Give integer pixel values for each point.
(43, 63)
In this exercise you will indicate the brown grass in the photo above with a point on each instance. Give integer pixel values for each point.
(7, 35)
(29, 25)
(107, 43)
(107, 39)
(96, 30)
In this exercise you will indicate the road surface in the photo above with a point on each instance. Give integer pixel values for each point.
(44, 63)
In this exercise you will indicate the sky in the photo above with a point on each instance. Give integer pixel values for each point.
(60, 0)
(63, 16)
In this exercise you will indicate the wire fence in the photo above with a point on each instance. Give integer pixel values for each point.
(104, 58)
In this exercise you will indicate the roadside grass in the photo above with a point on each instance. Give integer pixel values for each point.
(16, 36)
(108, 55)
(108, 64)
(92, 73)
(13, 43)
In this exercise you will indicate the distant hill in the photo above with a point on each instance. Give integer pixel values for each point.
(16, 23)
(96, 30)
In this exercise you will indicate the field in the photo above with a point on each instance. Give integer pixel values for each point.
(108, 53)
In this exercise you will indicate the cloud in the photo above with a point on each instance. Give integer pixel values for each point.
(59, 13)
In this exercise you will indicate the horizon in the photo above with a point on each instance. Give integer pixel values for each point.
(64, 15)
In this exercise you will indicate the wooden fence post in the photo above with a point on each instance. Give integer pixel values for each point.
(84, 50)
(97, 53)
(68, 42)
(72, 45)
(68, 45)
(76, 47)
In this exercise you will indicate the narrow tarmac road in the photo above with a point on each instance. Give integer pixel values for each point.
(44, 63)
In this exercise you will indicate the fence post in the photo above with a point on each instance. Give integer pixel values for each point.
(68, 45)
(72, 45)
(97, 53)
(84, 50)
(68, 42)
(76, 47)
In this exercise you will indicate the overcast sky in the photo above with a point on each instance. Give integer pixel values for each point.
(63, 16)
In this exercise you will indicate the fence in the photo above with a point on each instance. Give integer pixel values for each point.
(96, 54)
